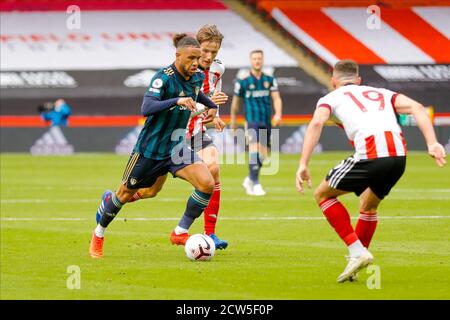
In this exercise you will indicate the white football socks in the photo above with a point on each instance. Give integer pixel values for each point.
(180, 230)
(100, 231)
(356, 249)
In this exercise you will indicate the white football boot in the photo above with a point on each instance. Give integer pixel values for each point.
(248, 186)
(354, 265)
(258, 190)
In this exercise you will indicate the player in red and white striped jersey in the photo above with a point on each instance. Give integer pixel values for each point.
(368, 116)
(371, 126)
(212, 87)
(210, 40)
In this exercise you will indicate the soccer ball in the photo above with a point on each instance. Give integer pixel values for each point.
(199, 247)
(200, 109)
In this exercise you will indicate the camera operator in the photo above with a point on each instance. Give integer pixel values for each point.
(57, 112)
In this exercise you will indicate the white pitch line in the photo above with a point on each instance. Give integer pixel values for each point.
(181, 199)
(222, 218)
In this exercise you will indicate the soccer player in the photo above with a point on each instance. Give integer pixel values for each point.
(259, 91)
(368, 116)
(210, 39)
(167, 104)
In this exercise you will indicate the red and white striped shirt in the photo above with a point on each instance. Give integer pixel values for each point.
(368, 116)
(212, 82)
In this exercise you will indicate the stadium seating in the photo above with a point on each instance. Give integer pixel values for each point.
(103, 67)
(408, 33)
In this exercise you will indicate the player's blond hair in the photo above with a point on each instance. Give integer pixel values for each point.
(346, 70)
(209, 33)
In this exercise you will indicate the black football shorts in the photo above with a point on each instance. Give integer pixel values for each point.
(354, 175)
(142, 172)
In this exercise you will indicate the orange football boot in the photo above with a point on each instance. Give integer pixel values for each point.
(96, 247)
(179, 239)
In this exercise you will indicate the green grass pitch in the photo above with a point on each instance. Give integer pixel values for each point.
(281, 247)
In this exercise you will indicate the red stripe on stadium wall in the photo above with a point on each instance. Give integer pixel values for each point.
(121, 121)
(390, 143)
(419, 32)
(332, 36)
(22, 121)
(74, 121)
(371, 148)
(111, 5)
(132, 121)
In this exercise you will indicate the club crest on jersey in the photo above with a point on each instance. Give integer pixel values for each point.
(266, 84)
(157, 83)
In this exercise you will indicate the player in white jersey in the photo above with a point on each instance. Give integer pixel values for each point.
(212, 87)
(210, 40)
(368, 116)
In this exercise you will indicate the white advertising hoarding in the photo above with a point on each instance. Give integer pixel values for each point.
(121, 39)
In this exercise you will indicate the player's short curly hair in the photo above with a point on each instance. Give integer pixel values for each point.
(183, 40)
(209, 33)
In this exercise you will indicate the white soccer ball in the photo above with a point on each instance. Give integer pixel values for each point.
(200, 109)
(200, 247)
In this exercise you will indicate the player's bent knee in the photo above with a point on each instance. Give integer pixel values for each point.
(319, 195)
(206, 185)
(124, 194)
(215, 170)
(368, 205)
(150, 193)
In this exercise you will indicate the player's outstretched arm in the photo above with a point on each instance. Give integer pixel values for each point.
(406, 105)
(312, 136)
